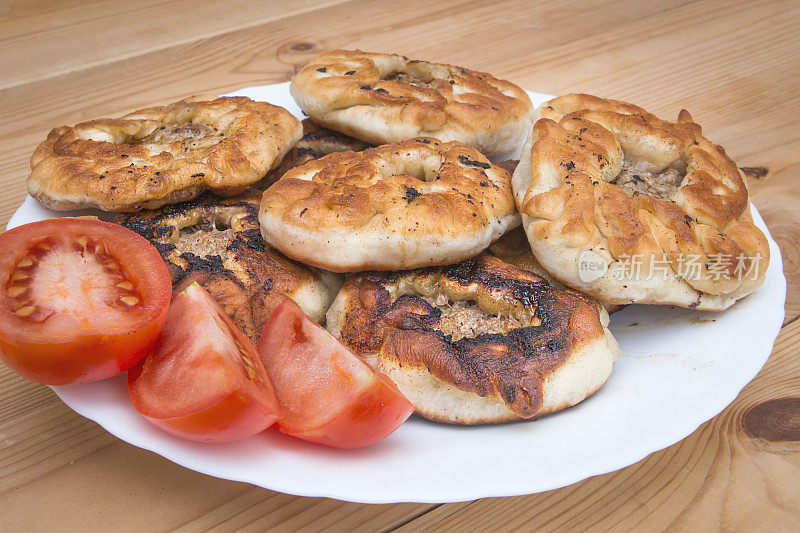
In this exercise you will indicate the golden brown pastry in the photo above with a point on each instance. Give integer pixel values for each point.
(630, 208)
(397, 206)
(388, 98)
(161, 155)
(477, 342)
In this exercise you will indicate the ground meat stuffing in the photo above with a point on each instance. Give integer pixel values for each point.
(204, 241)
(640, 176)
(409, 79)
(464, 319)
(184, 132)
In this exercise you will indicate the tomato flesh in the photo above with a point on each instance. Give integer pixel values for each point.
(203, 380)
(80, 299)
(330, 395)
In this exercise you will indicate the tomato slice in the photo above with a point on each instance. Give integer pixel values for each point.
(80, 299)
(330, 395)
(203, 380)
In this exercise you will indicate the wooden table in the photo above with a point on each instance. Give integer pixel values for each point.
(734, 65)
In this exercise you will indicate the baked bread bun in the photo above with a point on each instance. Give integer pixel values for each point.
(316, 142)
(161, 155)
(397, 206)
(630, 208)
(387, 98)
(477, 342)
(216, 242)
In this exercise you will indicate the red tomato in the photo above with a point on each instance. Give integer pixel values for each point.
(80, 300)
(203, 380)
(330, 395)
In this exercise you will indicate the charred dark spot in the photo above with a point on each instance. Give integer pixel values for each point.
(381, 90)
(322, 69)
(254, 240)
(209, 262)
(411, 194)
(570, 165)
(464, 160)
(198, 175)
(510, 394)
(349, 72)
(303, 211)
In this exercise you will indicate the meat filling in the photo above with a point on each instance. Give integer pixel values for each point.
(408, 79)
(191, 134)
(465, 319)
(208, 235)
(640, 176)
(205, 243)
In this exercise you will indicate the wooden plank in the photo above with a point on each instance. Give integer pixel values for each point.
(44, 39)
(739, 470)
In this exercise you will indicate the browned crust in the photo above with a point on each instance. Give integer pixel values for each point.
(316, 142)
(455, 98)
(348, 191)
(578, 141)
(69, 170)
(249, 280)
(514, 249)
(513, 366)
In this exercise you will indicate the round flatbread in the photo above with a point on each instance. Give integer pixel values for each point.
(477, 342)
(161, 155)
(388, 98)
(630, 208)
(397, 206)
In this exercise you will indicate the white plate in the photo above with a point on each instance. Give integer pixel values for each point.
(679, 368)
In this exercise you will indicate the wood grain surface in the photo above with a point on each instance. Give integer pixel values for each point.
(734, 65)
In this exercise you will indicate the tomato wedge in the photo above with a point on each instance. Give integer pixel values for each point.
(330, 395)
(80, 299)
(203, 380)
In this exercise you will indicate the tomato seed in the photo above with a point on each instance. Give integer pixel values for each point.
(28, 310)
(19, 276)
(16, 290)
(83, 240)
(129, 300)
(27, 261)
(125, 285)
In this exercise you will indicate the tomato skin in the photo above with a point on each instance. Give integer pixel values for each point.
(233, 418)
(59, 355)
(203, 380)
(359, 407)
(85, 359)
